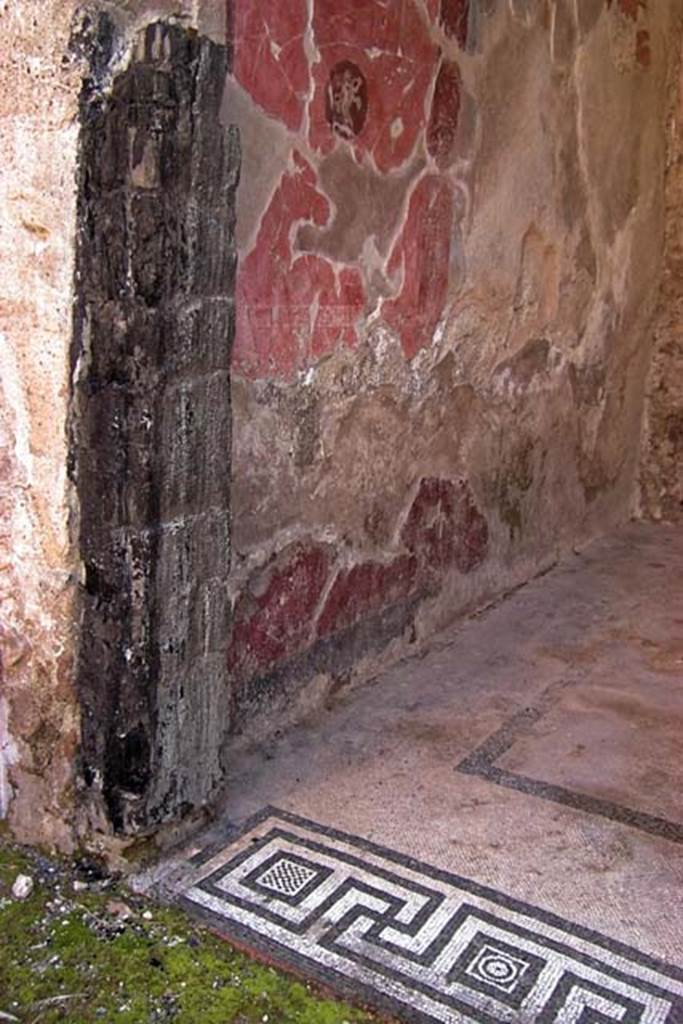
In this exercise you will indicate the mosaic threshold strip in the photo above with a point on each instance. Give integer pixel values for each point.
(414, 941)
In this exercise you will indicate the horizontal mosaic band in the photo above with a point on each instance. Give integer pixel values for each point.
(482, 762)
(416, 941)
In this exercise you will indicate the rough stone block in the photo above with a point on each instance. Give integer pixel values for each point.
(193, 442)
(151, 427)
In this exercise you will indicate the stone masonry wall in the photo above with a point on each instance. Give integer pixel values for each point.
(662, 467)
(450, 225)
(151, 422)
(48, 49)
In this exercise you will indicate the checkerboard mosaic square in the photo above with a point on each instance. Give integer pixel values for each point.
(413, 941)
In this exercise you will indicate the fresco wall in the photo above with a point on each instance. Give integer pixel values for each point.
(449, 228)
(450, 225)
(662, 465)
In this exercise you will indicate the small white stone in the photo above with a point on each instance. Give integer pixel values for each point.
(119, 909)
(148, 915)
(23, 887)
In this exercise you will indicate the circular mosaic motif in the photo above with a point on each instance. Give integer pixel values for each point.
(498, 969)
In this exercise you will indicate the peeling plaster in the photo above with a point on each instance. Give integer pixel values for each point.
(542, 294)
(536, 329)
(8, 758)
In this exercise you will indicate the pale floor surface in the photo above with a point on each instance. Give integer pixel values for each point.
(564, 705)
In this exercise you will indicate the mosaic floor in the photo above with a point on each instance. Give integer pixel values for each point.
(493, 831)
(415, 941)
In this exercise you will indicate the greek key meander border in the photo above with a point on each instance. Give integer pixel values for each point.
(481, 762)
(357, 990)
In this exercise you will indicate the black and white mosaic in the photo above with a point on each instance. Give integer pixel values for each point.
(415, 941)
(482, 762)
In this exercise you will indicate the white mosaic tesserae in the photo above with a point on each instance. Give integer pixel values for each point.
(416, 941)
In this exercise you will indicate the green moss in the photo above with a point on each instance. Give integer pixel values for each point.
(65, 956)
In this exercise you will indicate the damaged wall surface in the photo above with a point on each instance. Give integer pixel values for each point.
(39, 88)
(116, 332)
(449, 227)
(450, 230)
(662, 468)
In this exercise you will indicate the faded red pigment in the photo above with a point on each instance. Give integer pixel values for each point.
(391, 46)
(643, 51)
(270, 626)
(419, 263)
(367, 76)
(630, 8)
(277, 332)
(445, 527)
(270, 56)
(365, 588)
(636, 10)
(454, 18)
(443, 120)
